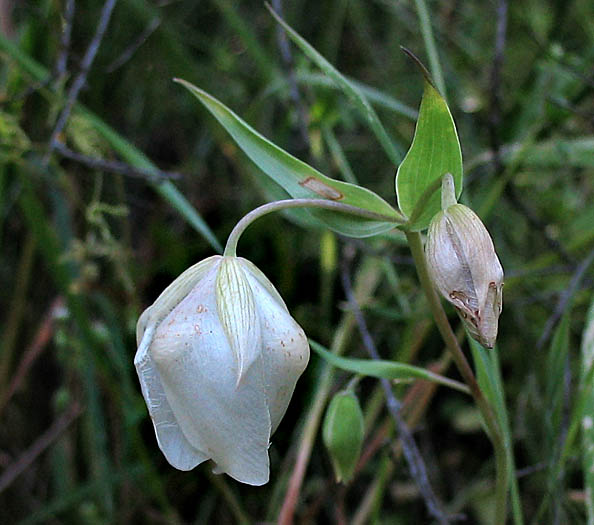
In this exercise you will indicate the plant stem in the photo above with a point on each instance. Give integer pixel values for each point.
(489, 417)
(366, 282)
(325, 204)
(416, 464)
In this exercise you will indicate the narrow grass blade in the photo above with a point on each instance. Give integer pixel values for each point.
(555, 378)
(338, 155)
(350, 90)
(430, 47)
(245, 29)
(587, 415)
(377, 97)
(488, 372)
(385, 369)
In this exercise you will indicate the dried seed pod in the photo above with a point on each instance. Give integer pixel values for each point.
(465, 269)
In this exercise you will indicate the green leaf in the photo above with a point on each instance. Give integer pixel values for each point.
(298, 178)
(554, 398)
(435, 151)
(587, 415)
(343, 433)
(488, 373)
(385, 369)
(347, 87)
(555, 377)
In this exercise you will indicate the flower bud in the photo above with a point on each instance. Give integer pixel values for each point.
(218, 359)
(343, 433)
(465, 269)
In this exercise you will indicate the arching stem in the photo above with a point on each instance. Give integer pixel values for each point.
(324, 204)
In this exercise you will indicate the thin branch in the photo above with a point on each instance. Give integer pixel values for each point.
(587, 116)
(382, 253)
(416, 465)
(528, 471)
(565, 298)
(81, 78)
(62, 61)
(365, 283)
(289, 65)
(42, 443)
(43, 337)
(495, 85)
(134, 46)
(537, 224)
(114, 166)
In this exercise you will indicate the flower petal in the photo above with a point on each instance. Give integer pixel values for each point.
(199, 370)
(173, 294)
(172, 442)
(285, 347)
(465, 269)
(480, 252)
(237, 313)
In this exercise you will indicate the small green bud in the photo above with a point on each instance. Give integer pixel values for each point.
(343, 434)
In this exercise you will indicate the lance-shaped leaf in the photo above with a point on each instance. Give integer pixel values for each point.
(587, 415)
(435, 151)
(488, 375)
(299, 179)
(392, 370)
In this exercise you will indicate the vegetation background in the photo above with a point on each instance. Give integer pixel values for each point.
(87, 245)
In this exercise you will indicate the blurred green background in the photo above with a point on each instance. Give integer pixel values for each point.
(85, 250)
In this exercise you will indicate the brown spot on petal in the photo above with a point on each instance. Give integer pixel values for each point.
(197, 329)
(322, 189)
(200, 309)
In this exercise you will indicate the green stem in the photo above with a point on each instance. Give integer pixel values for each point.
(366, 282)
(230, 498)
(489, 417)
(231, 247)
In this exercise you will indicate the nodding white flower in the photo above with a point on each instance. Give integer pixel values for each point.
(218, 359)
(465, 269)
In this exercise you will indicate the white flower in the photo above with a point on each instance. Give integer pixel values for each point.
(218, 359)
(465, 269)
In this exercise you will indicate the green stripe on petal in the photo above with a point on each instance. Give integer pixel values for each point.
(238, 314)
